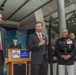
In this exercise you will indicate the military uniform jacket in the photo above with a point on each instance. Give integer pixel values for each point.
(65, 46)
(75, 50)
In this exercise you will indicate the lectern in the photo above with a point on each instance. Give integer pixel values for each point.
(17, 61)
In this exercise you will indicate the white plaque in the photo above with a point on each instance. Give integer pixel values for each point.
(15, 53)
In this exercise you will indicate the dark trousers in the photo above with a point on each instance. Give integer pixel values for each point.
(39, 69)
(1, 63)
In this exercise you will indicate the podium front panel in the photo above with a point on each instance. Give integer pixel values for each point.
(19, 69)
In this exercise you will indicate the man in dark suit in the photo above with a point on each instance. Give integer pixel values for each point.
(37, 43)
(4, 47)
(65, 50)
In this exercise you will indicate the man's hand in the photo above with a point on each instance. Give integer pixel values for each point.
(6, 60)
(68, 57)
(63, 56)
(54, 58)
(42, 43)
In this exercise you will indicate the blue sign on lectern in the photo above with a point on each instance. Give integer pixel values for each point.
(24, 53)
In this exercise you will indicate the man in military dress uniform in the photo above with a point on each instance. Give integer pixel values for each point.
(54, 60)
(65, 50)
(72, 35)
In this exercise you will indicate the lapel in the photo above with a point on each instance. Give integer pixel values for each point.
(43, 36)
(36, 36)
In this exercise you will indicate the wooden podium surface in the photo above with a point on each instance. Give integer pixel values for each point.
(12, 61)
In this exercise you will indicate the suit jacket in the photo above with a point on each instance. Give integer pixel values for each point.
(38, 52)
(60, 46)
(4, 42)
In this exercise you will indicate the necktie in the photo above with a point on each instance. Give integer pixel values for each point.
(40, 37)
